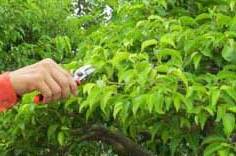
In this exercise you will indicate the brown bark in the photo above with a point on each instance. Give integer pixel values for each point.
(121, 144)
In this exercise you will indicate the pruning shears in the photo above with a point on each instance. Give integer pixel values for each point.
(79, 75)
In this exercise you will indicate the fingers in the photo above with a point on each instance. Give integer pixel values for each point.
(45, 91)
(71, 81)
(54, 87)
(73, 87)
(56, 81)
(64, 78)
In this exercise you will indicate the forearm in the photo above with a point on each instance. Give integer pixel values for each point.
(8, 97)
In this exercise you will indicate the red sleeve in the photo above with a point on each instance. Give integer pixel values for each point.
(8, 97)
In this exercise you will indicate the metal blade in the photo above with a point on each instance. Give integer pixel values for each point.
(83, 72)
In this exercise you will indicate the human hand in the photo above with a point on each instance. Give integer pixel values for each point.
(47, 77)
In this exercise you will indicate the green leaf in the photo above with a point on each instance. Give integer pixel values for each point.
(229, 52)
(61, 138)
(223, 20)
(187, 21)
(213, 139)
(119, 57)
(155, 17)
(202, 119)
(88, 87)
(175, 55)
(230, 91)
(226, 75)
(151, 102)
(230, 67)
(230, 34)
(232, 109)
(221, 110)
(168, 103)
(158, 100)
(138, 103)
(127, 76)
(215, 94)
(179, 74)
(67, 45)
(93, 97)
(117, 108)
(196, 57)
(52, 131)
(70, 66)
(209, 110)
(27, 98)
(83, 105)
(148, 43)
(177, 101)
(168, 39)
(141, 23)
(211, 149)
(163, 68)
(224, 152)
(174, 144)
(203, 18)
(165, 136)
(107, 95)
(228, 123)
(185, 123)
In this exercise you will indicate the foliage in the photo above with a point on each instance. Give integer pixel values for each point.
(165, 76)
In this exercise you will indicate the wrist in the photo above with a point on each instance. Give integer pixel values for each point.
(15, 84)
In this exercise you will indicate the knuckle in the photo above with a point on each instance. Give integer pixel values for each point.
(73, 85)
(64, 83)
(68, 74)
(71, 81)
(38, 77)
(41, 71)
(49, 95)
(48, 62)
(57, 91)
(64, 93)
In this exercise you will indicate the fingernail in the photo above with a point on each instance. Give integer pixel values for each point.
(44, 100)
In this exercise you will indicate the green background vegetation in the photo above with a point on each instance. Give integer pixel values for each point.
(165, 77)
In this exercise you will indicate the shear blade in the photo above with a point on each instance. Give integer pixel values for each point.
(83, 72)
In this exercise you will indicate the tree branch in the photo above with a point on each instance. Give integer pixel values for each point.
(121, 144)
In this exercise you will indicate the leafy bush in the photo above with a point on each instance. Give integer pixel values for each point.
(165, 78)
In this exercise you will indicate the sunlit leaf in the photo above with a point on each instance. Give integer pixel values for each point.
(229, 123)
(148, 43)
